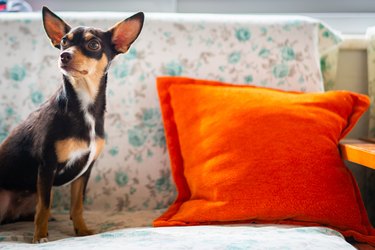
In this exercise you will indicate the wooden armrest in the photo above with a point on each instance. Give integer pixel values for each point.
(358, 151)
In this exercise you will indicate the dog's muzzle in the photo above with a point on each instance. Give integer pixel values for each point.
(65, 58)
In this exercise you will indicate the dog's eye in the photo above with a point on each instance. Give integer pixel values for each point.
(64, 41)
(93, 45)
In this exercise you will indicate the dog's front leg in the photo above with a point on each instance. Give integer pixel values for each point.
(76, 207)
(43, 207)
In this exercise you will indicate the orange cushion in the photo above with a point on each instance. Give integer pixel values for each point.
(250, 154)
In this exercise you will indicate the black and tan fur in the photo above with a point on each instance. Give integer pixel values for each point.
(59, 143)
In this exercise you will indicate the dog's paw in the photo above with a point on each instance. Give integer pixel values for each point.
(84, 232)
(41, 240)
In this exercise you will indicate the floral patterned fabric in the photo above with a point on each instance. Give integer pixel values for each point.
(115, 233)
(133, 172)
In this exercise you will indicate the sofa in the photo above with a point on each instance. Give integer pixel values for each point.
(132, 183)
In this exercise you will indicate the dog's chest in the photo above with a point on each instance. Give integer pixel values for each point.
(76, 155)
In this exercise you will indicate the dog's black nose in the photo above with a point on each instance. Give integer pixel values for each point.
(65, 57)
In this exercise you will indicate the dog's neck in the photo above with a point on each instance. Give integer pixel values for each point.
(85, 93)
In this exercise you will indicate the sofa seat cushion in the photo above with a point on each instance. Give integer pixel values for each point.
(131, 230)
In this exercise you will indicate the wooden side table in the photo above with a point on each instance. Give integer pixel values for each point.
(358, 151)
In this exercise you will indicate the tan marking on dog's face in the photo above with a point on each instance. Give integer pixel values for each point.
(85, 72)
(88, 36)
(70, 36)
(100, 142)
(65, 148)
(90, 52)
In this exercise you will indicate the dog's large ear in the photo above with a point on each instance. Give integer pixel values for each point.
(124, 33)
(54, 26)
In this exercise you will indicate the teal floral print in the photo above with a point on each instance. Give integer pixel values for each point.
(136, 137)
(9, 111)
(324, 64)
(131, 54)
(173, 69)
(292, 24)
(121, 71)
(98, 178)
(3, 135)
(163, 184)
(243, 34)
(328, 34)
(280, 71)
(17, 73)
(159, 138)
(234, 57)
(263, 31)
(264, 53)
(249, 79)
(121, 179)
(37, 97)
(113, 151)
(150, 117)
(288, 53)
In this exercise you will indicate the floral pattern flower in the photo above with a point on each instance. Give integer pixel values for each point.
(234, 57)
(288, 53)
(159, 138)
(243, 34)
(249, 79)
(131, 54)
(121, 178)
(280, 70)
(17, 73)
(264, 53)
(121, 71)
(136, 137)
(173, 69)
(113, 151)
(37, 97)
(150, 117)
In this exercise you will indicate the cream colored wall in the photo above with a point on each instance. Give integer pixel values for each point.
(352, 75)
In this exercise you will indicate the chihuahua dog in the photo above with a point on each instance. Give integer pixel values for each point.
(59, 142)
